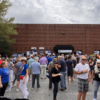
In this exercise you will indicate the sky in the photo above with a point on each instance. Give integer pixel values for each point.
(55, 11)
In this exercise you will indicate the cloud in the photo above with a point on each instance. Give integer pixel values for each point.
(55, 11)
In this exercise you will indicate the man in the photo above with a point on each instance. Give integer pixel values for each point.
(70, 66)
(84, 77)
(43, 63)
(18, 67)
(30, 61)
(62, 69)
(49, 59)
(53, 56)
(36, 72)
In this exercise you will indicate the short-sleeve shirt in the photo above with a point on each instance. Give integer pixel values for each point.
(4, 73)
(96, 75)
(80, 67)
(43, 61)
(17, 66)
(24, 69)
(30, 61)
(35, 67)
(10, 66)
(49, 59)
(55, 71)
(74, 62)
(62, 62)
(69, 64)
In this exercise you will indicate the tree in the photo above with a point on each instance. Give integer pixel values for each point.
(7, 28)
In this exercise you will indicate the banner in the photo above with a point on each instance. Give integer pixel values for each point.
(15, 54)
(35, 52)
(28, 53)
(64, 51)
(41, 52)
(96, 52)
(41, 47)
(78, 52)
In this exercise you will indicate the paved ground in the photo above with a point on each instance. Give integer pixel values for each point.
(45, 94)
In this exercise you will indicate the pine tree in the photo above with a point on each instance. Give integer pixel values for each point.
(7, 28)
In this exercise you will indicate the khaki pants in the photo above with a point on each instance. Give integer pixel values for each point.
(43, 71)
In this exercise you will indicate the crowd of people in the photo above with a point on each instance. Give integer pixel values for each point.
(60, 69)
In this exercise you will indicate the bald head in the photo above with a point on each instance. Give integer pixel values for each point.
(83, 57)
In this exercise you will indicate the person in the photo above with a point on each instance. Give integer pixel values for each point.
(66, 57)
(91, 63)
(50, 66)
(84, 76)
(55, 79)
(96, 78)
(43, 62)
(30, 61)
(69, 64)
(24, 78)
(11, 68)
(49, 59)
(53, 56)
(4, 78)
(18, 69)
(62, 69)
(16, 61)
(36, 72)
(74, 64)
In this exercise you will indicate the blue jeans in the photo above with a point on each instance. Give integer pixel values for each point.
(96, 87)
(15, 79)
(63, 80)
(55, 91)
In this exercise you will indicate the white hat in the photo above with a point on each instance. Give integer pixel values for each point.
(23, 58)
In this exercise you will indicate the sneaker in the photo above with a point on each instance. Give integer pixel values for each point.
(17, 90)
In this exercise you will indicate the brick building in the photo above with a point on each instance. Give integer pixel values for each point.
(83, 37)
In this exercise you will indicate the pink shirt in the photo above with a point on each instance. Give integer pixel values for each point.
(43, 61)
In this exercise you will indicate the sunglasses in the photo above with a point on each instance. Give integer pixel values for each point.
(83, 59)
(98, 63)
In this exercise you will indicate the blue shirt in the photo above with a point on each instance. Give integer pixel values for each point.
(52, 57)
(49, 60)
(24, 69)
(4, 73)
(35, 67)
(69, 64)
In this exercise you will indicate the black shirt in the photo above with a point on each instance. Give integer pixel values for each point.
(55, 71)
(74, 62)
(96, 75)
(62, 62)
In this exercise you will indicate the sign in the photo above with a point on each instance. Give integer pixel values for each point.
(28, 53)
(49, 52)
(64, 51)
(46, 52)
(96, 52)
(15, 54)
(41, 52)
(41, 47)
(78, 52)
(33, 47)
(35, 52)
(20, 54)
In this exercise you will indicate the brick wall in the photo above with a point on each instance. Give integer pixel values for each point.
(81, 37)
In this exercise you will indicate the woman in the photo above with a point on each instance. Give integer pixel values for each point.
(96, 77)
(51, 64)
(24, 77)
(4, 77)
(55, 78)
(11, 68)
(16, 61)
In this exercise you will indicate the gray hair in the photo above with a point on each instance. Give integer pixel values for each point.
(36, 58)
(59, 56)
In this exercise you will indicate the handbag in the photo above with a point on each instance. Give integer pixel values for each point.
(21, 77)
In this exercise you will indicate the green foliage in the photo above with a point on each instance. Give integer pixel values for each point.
(6, 28)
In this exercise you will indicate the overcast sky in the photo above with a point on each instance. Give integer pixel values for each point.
(55, 11)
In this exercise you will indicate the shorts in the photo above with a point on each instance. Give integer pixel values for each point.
(30, 70)
(18, 77)
(83, 85)
(70, 73)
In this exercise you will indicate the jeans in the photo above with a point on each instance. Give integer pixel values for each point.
(96, 87)
(63, 80)
(50, 80)
(3, 89)
(33, 80)
(55, 91)
(15, 79)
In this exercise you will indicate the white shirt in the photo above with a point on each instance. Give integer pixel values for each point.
(80, 67)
